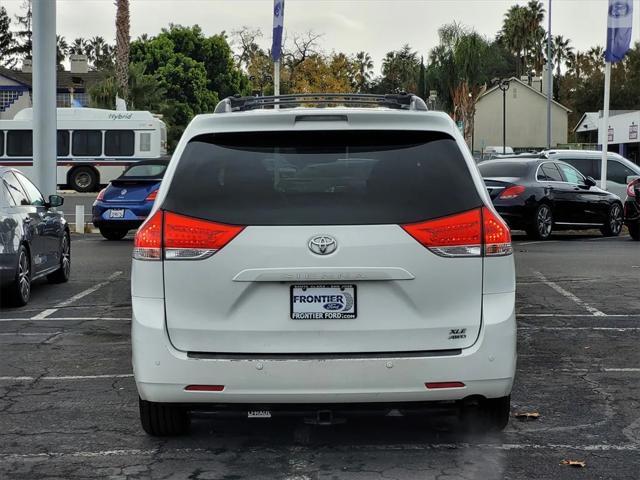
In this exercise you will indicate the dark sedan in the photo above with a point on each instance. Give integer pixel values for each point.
(632, 209)
(34, 238)
(541, 195)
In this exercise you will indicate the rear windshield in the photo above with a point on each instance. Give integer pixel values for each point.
(146, 170)
(321, 178)
(503, 169)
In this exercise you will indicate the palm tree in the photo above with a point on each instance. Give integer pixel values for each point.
(561, 51)
(364, 70)
(78, 47)
(62, 49)
(515, 34)
(122, 46)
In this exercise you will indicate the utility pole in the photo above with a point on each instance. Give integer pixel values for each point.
(549, 79)
(44, 96)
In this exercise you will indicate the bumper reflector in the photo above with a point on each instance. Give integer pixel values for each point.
(204, 388)
(434, 385)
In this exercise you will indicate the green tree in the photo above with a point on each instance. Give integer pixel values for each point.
(62, 50)
(400, 71)
(363, 71)
(24, 32)
(7, 42)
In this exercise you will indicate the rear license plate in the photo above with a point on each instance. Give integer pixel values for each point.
(323, 302)
(116, 213)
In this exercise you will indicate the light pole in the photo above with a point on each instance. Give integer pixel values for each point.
(504, 86)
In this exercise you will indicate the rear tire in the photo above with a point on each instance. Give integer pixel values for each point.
(615, 221)
(634, 230)
(62, 274)
(487, 415)
(113, 234)
(542, 223)
(19, 291)
(84, 179)
(163, 419)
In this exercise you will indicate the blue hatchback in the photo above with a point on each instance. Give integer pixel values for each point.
(125, 203)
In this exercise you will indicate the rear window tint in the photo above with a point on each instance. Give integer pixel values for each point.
(321, 178)
(504, 169)
(146, 170)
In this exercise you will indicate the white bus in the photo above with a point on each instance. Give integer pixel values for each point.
(94, 146)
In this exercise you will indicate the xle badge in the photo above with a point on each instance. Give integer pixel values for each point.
(457, 333)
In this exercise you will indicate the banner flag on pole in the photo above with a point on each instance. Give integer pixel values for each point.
(619, 30)
(278, 25)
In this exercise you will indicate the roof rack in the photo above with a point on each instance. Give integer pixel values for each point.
(404, 101)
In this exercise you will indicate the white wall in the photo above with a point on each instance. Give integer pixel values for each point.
(526, 120)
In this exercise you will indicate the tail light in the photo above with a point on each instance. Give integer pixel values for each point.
(147, 244)
(464, 234)
(512, 192)
(631, 188)
(100, 196)
(152, 196)
(180, 237)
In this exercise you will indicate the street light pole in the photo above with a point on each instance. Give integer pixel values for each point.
(44, 96)
(549, 79)
(504, 86)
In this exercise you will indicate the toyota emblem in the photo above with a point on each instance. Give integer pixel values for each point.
(323, 245)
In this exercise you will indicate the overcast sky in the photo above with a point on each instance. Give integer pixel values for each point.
(375, 26)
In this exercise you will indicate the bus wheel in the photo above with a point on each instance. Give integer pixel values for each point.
(83, 179)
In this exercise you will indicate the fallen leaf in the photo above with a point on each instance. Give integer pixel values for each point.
(527, 416)
(574, 463)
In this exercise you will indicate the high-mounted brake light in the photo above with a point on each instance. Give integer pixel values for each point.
(631, 188)
(512, 192)
(152, 196)
(180, 237)
(470, 234)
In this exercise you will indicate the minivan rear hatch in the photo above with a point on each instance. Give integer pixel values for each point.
(311, 254)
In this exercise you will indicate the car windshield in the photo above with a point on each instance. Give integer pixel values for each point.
(146, 170)
(503, 169)
(322, 178)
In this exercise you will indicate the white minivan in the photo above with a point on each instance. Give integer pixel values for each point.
(320, 261)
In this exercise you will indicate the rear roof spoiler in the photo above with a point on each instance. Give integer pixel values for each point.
(400, 101)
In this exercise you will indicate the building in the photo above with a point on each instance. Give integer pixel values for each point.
(526, 118)
(16, 90)
(622, 132)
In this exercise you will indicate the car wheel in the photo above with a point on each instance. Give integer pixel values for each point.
(83, 179)
(486, 415)
(615, 220)
(20, 290)
(163, 419)
(542, 223)
(62, 274)
(634, 230)
(113, 234)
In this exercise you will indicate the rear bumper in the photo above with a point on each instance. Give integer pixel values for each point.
(631, 212)
(162, 372)
(133, 215)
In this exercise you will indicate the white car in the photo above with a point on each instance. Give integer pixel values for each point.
(317, 261)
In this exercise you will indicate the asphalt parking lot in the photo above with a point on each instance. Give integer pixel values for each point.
(68, 404)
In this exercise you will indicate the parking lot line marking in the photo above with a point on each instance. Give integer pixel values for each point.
(44, 314)
(534, 243)
(578, 315)
(59, 319)
(565, 293)
(29, 334)
(622, 369)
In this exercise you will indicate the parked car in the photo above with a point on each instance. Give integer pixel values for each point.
(589, 163)
(541, 195)
(34, 238)
(318, 261)
(126, 201)
(632, 209)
